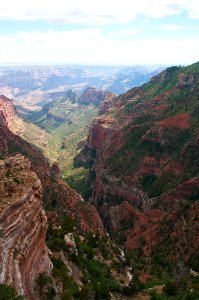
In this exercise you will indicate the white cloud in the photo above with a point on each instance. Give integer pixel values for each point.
(91, 46)
(94, 12)
(193, 9)
(174, 27)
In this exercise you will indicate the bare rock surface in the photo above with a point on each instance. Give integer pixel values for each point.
(23, 252)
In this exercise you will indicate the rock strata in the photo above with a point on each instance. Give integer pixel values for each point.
(23, 253)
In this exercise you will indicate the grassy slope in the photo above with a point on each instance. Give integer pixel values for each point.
(66, 122)
(70, 135)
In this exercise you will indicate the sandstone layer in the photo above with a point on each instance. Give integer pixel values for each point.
(56, 193)
(23, 253)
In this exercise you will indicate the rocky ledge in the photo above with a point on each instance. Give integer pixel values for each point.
(23, 253)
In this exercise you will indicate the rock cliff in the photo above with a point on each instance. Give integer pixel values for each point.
(56, 193)
(94, 96)
(144, 150)
(23, 253)
(30, 132)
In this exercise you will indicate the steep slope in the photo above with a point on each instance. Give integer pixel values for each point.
(144, 168)
(85, 263)
(27, 131)
(23, 253)
(67, 120)
(55, 113)
(56, 193)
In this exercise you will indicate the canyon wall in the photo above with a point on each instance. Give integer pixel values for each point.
(144, 170)
(23, 253)
(56, 193)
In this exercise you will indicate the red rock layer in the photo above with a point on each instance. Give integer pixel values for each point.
(145, 146)
(179, 121)
(7, 109)
(55, 191)
(92, 95)
(23, 253)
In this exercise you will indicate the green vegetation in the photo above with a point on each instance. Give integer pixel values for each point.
(134, 287)
(61, 272)
(55, 235)
(194, 261)
(63, 143)
(130, 152)
(171, 291)
(96, 257)
(93, 252)
(143, 138)
(156, 185)
(95, 271)
(45, 287)
(66, 123)
(8, 293)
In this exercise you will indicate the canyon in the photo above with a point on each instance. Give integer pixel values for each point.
(140, 151)
(139, 220)
(55, 190)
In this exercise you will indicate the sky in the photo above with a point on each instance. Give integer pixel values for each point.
(103, 32)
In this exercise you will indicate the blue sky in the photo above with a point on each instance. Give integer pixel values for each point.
(111, 32)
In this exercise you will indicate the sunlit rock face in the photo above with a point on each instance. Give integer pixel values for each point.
(92, 95)
(23, 253)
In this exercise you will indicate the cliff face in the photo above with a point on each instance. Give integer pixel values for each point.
(23, 253)
(27, 131)
(7, 109)
(56, 193)
(145, 161)
(94, 96)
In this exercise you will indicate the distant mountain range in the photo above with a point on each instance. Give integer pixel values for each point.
(38, 85)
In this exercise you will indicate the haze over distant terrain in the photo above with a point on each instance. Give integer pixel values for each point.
(38, 85)
(63, 100)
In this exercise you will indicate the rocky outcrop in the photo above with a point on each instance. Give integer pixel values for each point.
(97, 135)
(70, 94)
(160, 78)
(27, 131)
(7, 109)
(94, 96)
(23, 253)
(186, 80)
(106, 103)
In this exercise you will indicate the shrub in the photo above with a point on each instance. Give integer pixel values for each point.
(67, 224)
(194, 262)
(170, 288)
(134, 287)
(61, 272)
(43, 281)
(8, 293)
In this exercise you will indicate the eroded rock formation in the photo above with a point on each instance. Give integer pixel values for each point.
(23, 253)
(56, 192)
(94, 96)
(146, 163)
